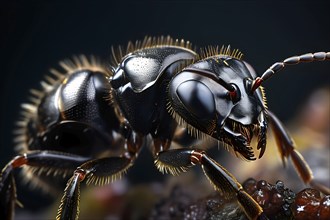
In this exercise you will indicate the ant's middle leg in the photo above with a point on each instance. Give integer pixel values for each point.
(99, 172)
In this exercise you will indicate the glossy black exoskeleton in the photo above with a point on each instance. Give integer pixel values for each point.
(140, 87)
(229, 116)
(92, 121)
(74, 116)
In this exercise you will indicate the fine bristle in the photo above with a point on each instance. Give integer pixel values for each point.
(194, 132)
(211, 51)
(81, 62)
(148, 42)
(103, 180)
(32, 180)
(165, 168)
(48, 171)
(263, 93)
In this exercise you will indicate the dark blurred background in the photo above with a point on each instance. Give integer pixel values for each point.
(36, 34)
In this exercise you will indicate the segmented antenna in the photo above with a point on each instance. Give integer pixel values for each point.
(276, 67)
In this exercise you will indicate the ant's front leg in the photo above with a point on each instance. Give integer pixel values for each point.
(46, 161)
(287, 149)
(99, 172)
(179, 160)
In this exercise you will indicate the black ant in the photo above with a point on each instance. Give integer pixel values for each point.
(153, 88)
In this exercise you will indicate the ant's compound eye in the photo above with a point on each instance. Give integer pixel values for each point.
(197, 99)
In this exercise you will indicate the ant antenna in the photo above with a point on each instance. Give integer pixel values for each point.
(276, 67)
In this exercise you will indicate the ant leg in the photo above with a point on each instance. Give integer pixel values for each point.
(46, 161)
(179, 160)
(99, 172)
(7, 193)
(286, 147)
